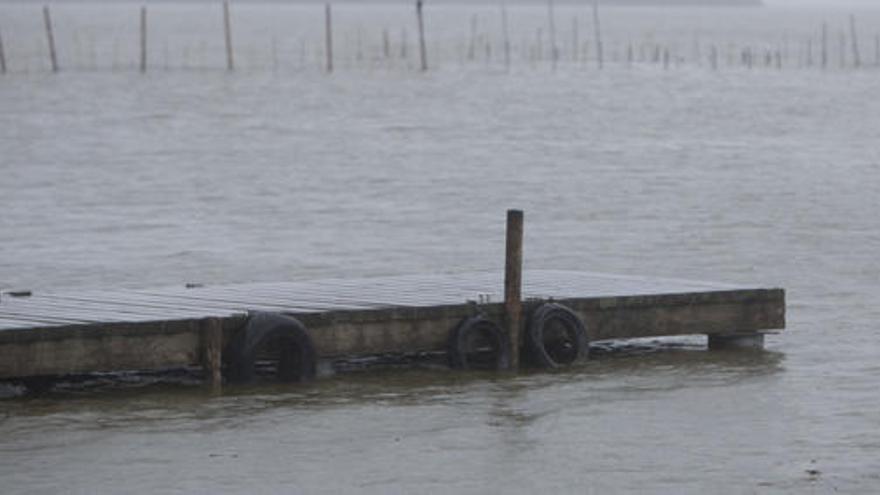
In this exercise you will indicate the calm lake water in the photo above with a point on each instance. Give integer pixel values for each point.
(110, 178)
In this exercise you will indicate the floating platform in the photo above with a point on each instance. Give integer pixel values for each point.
(74, 332)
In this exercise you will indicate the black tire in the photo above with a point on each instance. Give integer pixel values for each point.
(282, 336)
(478, 343)
(555, 337)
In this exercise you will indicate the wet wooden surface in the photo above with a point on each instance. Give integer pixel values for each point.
(89, 307)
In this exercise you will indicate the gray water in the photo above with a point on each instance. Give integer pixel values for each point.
(113, 179)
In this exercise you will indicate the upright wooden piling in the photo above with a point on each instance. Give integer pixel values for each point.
(328, 37)
(227, 30)
(386, 44)
(143, 64)
(404, 43)
(50, 37)
(2, 56)
(713, 57)
(472, 44)
(809, 52)
(598, 32)
(551, 32)
(824, 53)
(505, 35)
(857, 58)
(513, 283)
(877, 50)
(423, 51)
(575, 39)
(212, 348)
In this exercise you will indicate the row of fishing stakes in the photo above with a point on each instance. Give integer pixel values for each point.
(227, 36)
(811, 52)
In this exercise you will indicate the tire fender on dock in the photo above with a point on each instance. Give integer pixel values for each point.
(555, 337)
(478, 343)
(273, 333)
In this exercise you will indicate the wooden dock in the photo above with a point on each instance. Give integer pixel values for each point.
(57, 333)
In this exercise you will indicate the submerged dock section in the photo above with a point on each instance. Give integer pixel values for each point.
(547, 318)
(89, 331)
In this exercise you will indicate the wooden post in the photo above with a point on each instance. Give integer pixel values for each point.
(386, 44)
(551, 32)
(143, 39)
(513, 283)
(2, 57)
(506, 35)
(713, 57)
(598, 31)
(50, 37)
(824, 53)
(809, 52)
(877, 50)
(227, 29)
(212, 348)
(423, 51)
(472, 45)
(328, 37)
(857, 59)
(404, 43)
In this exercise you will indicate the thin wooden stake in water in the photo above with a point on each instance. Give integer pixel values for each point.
(513, 283)
(824, 53)
(423, 51)
(877, 50)
(50, 37)
(598, 31)
(2, 57)
(227, 29)
(328, 36)
(857, 59)
(143, 39)
(551, 31)
(506, 35)
(472, 45)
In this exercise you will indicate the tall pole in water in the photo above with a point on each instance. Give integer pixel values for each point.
(598, 30)
(551, 31)
(143, 39)
(824, 52)
(423, 51)
(857, 59)
(506, 35)
(227, 29)
(2, 57)
(50, 38)
(328, 36)
(513, 283)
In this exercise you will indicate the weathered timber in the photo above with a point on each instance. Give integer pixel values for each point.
(212, 351)
(50, 38)
(143, 61)
(227, 36)
(513, 283)
(423, 51)
(328, 37)
(103, 330)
